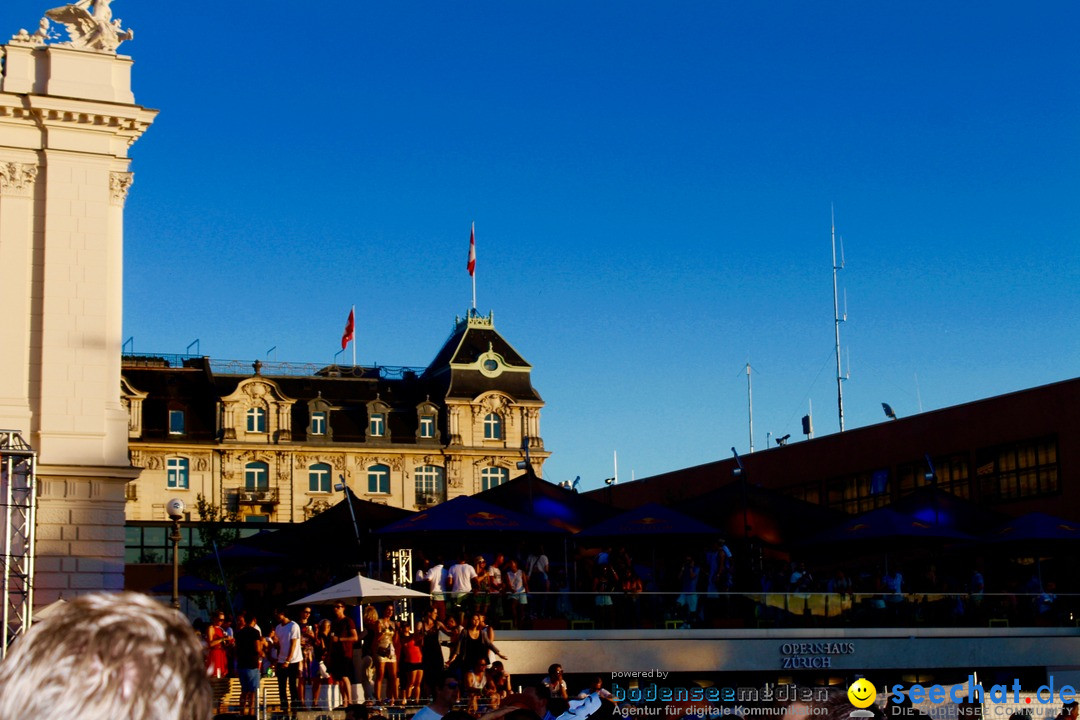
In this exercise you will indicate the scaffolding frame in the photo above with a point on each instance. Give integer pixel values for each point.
(401, 565)
(18, 492)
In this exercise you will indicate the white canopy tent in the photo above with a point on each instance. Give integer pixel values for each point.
(359, 589)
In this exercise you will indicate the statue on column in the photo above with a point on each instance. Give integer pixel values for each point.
(91, 30)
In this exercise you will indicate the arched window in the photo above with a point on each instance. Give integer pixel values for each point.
(378, 479)
(256, 420)
(429, 484)
(177, 469)
(492, 477)
(319, 478)
(257, 476)
(493, 427)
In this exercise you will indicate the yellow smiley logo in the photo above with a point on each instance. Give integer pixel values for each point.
(861, 693)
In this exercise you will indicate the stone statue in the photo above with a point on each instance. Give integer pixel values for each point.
(91, 31)
(41, 37)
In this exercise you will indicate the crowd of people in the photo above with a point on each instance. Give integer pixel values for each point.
(128, 657)
(382, 659)
(125, 656)
(705, 585)
(514, 588)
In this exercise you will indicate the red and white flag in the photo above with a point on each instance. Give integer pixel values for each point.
(472, 251)
(350, 327)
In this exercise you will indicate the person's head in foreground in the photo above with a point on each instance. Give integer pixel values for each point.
(120, 656)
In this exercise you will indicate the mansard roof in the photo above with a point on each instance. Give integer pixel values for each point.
(191, 384)
(457, 366)
(167, 388)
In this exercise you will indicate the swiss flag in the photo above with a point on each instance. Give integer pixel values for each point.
(350, 326)
(472, 251)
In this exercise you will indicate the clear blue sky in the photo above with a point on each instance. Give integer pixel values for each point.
(651, 186)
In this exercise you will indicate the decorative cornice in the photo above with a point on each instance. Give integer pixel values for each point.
(302, 461)
(119, 184)
(98, 117)
(17, 179)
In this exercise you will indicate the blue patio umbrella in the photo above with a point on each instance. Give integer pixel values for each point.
(649, 520)
(467, 514)
(1034, 527)
(939, 507)
(1034, 534)
(883, 531)
(885, 525)
(546, 501)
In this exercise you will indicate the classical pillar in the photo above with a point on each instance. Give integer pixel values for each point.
(17, 181)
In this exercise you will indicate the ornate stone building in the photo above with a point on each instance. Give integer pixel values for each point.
(68, 119)
(270, 442)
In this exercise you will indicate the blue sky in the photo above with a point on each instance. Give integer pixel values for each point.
(651, 185)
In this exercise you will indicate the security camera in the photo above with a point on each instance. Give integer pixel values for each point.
(175, 509)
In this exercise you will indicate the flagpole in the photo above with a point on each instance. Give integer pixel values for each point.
(473, 273)
(353, 314)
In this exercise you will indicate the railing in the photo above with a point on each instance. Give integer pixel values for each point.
(258, 496)
(290, 369)
(670, 610)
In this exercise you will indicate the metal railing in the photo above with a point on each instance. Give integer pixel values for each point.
(256, 496)
(273, 368)
(672, 610)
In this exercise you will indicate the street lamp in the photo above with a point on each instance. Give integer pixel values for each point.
(175, 510)
(341, 487)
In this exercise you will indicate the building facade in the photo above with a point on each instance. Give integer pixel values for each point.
(1016, 453)
(270, 442)
(68, 119)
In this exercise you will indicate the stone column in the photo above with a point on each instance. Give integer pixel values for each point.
(16, 267)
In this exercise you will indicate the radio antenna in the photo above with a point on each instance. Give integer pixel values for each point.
(750, 403)
(836, 317)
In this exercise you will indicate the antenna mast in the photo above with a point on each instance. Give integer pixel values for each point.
(837, 319)
(750, 402)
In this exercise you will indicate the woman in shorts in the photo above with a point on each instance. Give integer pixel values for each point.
(386, 656)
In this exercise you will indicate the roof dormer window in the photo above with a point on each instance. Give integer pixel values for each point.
(256, 420)
(377, 425)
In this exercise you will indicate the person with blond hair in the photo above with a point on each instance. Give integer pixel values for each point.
(122, 656)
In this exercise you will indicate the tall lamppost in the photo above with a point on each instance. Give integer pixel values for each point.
(175, 510)
(342, 488)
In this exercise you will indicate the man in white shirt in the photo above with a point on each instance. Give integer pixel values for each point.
(495, 587)
(289, 657)
(461, 582)
(436, 575)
